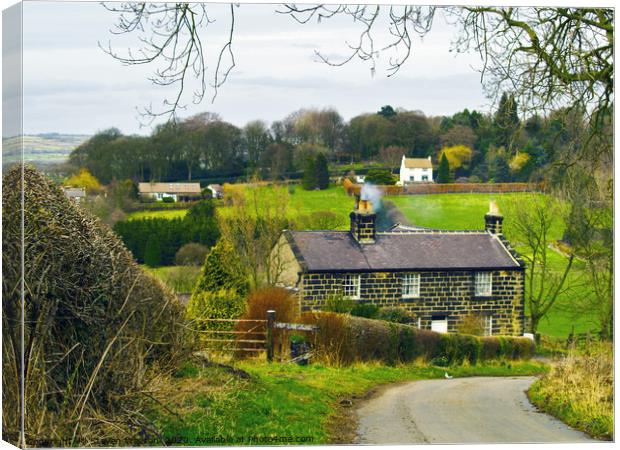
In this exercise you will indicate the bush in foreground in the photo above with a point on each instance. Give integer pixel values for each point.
(97, 327)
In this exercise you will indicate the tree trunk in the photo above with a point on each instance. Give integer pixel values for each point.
(534, 322)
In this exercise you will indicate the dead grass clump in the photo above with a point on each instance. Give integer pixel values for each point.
(579, 389)
(97, 329)
(331, 341)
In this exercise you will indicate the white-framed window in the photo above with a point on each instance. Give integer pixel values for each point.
(488, 325)
(351, 286)
(411, 178)
(424, 177)
(411, 285)
(419, 323)
(483, 284)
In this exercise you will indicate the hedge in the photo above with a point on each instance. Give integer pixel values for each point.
(448, 188)
(344, 339)
(461, 188)
(155, 241)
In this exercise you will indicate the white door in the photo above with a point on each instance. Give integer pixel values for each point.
(439, 325)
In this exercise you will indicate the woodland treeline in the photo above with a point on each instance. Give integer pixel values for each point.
(500, 146)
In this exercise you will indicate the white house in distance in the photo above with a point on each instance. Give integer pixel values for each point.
(416, 170)
(217, 191)
(177, 191)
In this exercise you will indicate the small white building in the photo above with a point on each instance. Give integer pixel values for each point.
(416, 170)
(176, 191)
(76, 194)
(217, 191)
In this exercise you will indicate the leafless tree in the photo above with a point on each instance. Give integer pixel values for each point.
(392, 156)
(531, 231)
(252, 227)
(590, 235)
(170, 37)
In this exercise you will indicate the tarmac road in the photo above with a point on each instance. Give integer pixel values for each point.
(459, 410)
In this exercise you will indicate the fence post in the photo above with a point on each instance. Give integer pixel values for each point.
(271, 319)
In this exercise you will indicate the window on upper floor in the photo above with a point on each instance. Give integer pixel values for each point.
(483, 284)
(351, 286)
(411, 285)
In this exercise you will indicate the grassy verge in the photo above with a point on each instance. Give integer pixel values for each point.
(579, 391)
(282, 404)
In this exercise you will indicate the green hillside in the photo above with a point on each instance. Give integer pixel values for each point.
(45, 148)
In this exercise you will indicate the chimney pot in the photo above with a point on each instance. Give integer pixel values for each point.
(363, 223)
(493, 219)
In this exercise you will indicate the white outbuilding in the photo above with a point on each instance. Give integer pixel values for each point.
(416, 170)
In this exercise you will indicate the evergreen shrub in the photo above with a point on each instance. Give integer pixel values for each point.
(338, 303)
(367, 310)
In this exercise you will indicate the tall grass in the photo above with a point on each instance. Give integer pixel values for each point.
(579, 390)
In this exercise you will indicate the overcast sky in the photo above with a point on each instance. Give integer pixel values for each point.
(72, 86)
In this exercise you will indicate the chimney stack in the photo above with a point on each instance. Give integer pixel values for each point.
(493, 219)
(363, 221)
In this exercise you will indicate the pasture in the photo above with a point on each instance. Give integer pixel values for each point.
(298, 203)
(161, 214)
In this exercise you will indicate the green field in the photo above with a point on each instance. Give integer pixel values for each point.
(466, 211)
(461, 211)
(42, 148)
(302, 203)
(162, 214)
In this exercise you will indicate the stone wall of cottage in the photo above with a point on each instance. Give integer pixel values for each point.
(449, 294)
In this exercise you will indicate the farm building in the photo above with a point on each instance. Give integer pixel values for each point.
(76, 194)
(442, 277)
(177, 191)
(416, 170)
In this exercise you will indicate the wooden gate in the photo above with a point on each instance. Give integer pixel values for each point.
(258, 338)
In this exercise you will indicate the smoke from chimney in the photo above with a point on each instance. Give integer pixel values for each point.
(373, 193)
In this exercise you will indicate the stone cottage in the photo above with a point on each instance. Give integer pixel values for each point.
(440, 276)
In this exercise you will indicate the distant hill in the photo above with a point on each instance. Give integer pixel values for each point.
(41, 149)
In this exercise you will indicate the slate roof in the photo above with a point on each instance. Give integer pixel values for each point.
(330, 251)
(418, 163)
